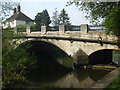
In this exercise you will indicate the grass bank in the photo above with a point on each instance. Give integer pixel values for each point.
(115, 84)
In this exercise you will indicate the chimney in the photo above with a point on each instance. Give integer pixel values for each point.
(14, 11)
(18, 8)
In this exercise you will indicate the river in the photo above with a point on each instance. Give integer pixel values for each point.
(78, 78)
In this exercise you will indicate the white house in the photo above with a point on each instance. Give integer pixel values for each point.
(18, 18)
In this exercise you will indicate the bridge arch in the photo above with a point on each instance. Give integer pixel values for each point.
(102, 56)
(45, 50)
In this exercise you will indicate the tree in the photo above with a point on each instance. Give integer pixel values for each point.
(63, 18)
(42, 18)
(12, 68)
(5, 8)
(112, 21)
(55, 18)
(107, 11)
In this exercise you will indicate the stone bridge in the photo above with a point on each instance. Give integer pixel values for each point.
(77, 44)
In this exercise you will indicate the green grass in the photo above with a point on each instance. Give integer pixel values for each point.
(115, 84)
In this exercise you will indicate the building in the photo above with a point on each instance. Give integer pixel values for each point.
(18, 18)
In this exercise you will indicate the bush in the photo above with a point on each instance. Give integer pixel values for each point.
(12, 65)
(15, 65)
(21, 28)
(35, 28)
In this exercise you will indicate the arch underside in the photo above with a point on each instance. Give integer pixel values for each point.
(45, 51)
(101, 57)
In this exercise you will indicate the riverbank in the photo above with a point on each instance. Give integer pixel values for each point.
(106, 80)
(115, 84)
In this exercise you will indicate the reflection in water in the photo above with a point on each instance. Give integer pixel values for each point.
(70, 81)
(81, 78)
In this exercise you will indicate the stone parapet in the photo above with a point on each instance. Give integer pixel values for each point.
(61, 28)
(43, 29)
(84, 28)
(28, 30)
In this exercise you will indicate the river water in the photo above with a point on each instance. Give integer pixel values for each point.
(78, 78)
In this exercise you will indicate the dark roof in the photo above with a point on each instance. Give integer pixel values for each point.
(19, 16)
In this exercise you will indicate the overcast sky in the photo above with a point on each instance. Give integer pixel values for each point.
(32, 7)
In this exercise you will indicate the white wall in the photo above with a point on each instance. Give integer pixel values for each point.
(13, 23)
(30, 23)
(17, 22)
(6, 24)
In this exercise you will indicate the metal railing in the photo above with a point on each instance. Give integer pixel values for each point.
(72, 28)
(52, 28)
(35, 29)
(96, 28)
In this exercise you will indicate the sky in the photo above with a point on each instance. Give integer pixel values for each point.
(32, 7)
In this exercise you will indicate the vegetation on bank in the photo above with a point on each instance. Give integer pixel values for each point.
(19, 64)
(115, 84)
(12, 65)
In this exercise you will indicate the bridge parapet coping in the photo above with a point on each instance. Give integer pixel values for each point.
(62, 29)
(84, 32)
(74, 35)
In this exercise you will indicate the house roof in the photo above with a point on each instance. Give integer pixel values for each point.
(19, 16)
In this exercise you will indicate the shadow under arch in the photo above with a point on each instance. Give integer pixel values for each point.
(47, 61)
(103, 56)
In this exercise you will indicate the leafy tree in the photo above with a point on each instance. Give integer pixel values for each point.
(107, 11)
(7, 47)
(34, 27)
(112, 21)
(94, 10)
(5, 8)
(42, 18)
(15, 64)
(9, 67)
(63, 17)
(55, 18)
